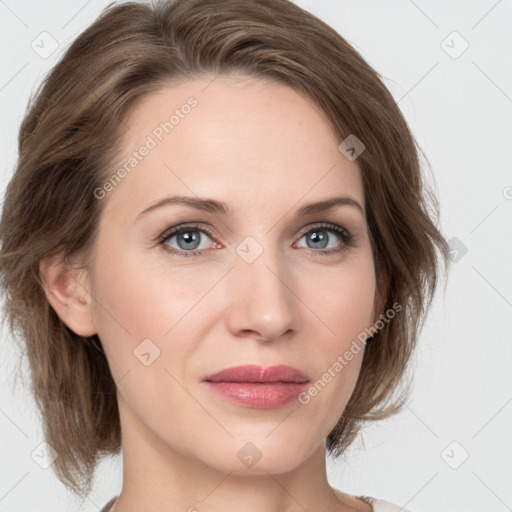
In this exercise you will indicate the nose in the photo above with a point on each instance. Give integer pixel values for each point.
(262, 304)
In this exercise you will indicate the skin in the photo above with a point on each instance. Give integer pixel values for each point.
(265, 150)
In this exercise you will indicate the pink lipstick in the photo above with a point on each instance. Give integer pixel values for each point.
(258, 387)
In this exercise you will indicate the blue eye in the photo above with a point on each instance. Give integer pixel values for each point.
(188, 238)
(192, 240)
(321, 235)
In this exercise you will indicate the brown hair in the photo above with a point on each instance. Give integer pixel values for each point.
(68, 140)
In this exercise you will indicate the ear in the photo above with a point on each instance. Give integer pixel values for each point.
(67, 290)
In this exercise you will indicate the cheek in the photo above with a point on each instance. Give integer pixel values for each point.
(346, 302)
(139, 299)
(127, 307)
(142, 316)
(347, 309)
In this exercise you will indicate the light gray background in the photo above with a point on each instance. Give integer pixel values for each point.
(460, 110)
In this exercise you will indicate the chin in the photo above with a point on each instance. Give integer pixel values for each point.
(260, 454)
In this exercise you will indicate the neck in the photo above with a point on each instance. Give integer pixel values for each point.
(158, 477)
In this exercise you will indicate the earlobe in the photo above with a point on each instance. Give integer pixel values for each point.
(66, 289)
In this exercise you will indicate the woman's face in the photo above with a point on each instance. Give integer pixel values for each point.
(258, 284)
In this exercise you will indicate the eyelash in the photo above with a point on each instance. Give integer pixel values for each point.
(348, 240)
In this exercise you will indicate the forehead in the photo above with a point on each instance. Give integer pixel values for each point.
(229, 138)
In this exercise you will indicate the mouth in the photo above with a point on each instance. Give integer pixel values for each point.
(258, 387)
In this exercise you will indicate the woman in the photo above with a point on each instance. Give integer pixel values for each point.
(218, 251)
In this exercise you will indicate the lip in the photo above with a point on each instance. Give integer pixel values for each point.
(259, 374)
(258, 387)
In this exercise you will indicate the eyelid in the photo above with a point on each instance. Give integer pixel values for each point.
(326, 225)
(183, 227)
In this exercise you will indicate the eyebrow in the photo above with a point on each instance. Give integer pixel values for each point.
(220, 207)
